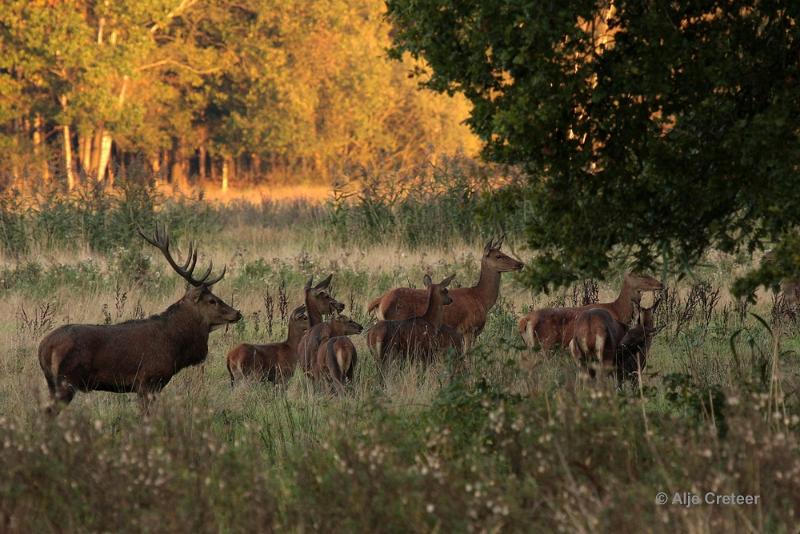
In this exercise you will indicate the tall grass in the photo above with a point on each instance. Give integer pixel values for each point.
(509, 441)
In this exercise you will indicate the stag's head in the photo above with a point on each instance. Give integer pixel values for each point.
(318, 296)
(345, 325)
(639, 283)
(298, 321)
(439, 291)
(499, 261)
(212, 310)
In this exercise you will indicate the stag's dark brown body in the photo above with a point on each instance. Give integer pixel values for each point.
(137, 356)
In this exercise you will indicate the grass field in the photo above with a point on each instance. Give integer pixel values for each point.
(513, 443)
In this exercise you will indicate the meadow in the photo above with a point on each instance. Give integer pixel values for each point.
(507, 441)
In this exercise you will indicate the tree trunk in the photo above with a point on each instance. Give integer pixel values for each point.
(105, 140)
(227, 164)
(85, 151)
(201, 168)
(105, 154)
(97, 141)
(68, 158)
(39, 147)
(255, 168)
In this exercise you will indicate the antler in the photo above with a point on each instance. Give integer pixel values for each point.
(160, 240)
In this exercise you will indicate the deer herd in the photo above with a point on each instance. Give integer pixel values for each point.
(142, 356)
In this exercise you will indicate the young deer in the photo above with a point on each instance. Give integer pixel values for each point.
(274, 362)
(415, 337)
(138, 356)
(467, 314)
(549, 327)
(596, 340)
(635, 345)
(318, 303)
(336, 326)
(337, 356)
(603, 341)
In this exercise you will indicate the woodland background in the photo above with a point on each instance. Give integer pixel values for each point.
(212, 90)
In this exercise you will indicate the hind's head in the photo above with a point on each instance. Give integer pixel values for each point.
(439, 292)
(343, 325)
(497, 260)
(318, 297)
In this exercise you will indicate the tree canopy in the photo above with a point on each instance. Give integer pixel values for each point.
(209, 86)
(649, 130)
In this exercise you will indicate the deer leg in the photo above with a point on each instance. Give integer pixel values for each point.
(62, 394)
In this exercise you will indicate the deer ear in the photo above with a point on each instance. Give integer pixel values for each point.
(325, 283)
(427, 280)
(309, 283)
(446, 281)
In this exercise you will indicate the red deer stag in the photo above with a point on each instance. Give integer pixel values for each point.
(318, 303)
(549, 327)
(415, 337)
(336, 357)
(470, 306)
(274, 362)
(137, 356)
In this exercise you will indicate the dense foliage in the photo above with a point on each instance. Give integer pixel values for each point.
(207, 88)
(649, 130)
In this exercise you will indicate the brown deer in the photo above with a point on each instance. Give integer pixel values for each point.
(274, 362)
(312, 341)
(602, 341)
(635, 345)
(470, 306)
(596, 340)
(137, 356)
(336, 356)
(318, 303)
(549, 327)
(415, 337)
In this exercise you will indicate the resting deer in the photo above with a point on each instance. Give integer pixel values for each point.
(336, 356)
(274, 362)
(467, 314)
(137, 356)
(549, 327)
(635, 345)
(416, 337)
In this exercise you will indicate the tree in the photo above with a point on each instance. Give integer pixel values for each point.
(649, 130)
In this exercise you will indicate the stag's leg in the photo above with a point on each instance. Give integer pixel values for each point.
(147, 393)
(62, 394)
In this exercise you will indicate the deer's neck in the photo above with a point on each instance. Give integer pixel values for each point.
(623, 306)
(294, 336)
(314, 315)
(188, 335)
(434, 314)
(488, 288)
